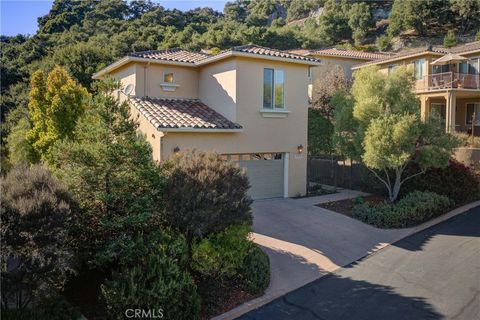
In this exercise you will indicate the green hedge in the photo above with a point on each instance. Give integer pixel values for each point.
(413, 209)
(256, 271)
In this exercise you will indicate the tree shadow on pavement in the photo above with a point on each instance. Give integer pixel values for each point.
(336, 297)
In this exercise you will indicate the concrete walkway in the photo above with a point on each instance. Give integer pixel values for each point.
(305, 242)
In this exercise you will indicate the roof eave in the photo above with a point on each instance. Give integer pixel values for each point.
(375, 62)
(228, 54)
(123, 61)
(199, 130)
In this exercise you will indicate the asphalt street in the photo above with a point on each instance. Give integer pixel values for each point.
(433, 274)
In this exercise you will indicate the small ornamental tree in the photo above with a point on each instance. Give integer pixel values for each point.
(36, 255)
(111, 174)
(389, 134)
(450, 40)
(56, 102)
(205, 194)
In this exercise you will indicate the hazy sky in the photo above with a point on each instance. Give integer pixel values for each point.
(20, 16)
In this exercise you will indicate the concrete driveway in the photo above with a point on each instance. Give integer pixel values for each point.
(433, 274)
(305, 242)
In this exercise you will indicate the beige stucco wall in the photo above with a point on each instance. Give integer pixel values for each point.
(127, 75)
(217, 87)
(152, 75)
(260, 134)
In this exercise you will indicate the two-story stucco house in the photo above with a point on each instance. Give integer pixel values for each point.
(248, 103)
(447, 82)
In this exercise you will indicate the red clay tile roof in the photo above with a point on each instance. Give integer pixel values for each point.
(338, 52)
(254, 49)
(177, 55)
(468, 47)
(181, 113)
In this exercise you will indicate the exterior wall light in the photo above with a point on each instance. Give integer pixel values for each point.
(176, 149)
(300, 148)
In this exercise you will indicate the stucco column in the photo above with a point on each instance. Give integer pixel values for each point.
(424, 110)
(451, 110)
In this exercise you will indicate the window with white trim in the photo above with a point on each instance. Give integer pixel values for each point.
(473, 108)
(273, 89)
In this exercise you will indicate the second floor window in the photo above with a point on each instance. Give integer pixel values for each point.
(273, 89)
(168, 77)
(419, 69)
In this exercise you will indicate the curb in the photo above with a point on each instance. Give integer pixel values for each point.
(260, 301)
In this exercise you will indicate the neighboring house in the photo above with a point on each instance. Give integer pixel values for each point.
(248, 103)
(447, 82)
(334, 58)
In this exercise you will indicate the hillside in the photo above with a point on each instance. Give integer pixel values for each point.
(84, 36)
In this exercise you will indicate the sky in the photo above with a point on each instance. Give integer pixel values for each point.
(20, 16)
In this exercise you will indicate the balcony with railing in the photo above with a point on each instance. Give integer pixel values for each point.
(449, 80)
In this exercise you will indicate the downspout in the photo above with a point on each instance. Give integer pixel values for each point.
(145, 78)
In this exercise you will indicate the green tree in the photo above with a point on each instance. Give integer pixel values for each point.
(333, 23)
(110, 172)
(320, 132)
(299, 9)
(55, 104)
(236, 10)
(477, 36)
(19, 149)
(406, 14)
(389, 134)
(81, 60)
(450, 40)
(359, 21)
(468, 12)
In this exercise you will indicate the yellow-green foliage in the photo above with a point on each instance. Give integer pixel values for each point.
(390, 141)
(55, 104)
(376, 93)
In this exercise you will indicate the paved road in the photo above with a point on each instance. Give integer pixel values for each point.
(433, 274)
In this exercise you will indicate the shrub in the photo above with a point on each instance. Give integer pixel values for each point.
(205, 194)
(455, 181)
(383, 43)
(256, 271)
(414, 208)
(153, 277)
(35, 215)
(466, 140)
(56, 309)
(450, 40)
(222, 254)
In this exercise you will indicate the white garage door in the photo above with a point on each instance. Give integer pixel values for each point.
(265, 172)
